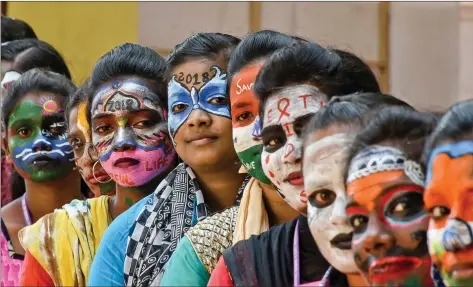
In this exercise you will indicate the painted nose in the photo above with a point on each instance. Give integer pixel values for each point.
(41, 144)
(377, 241)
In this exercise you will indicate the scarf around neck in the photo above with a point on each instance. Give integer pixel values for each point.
(174, 207)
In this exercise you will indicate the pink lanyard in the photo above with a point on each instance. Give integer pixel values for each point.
(26, 212)
(295, 252)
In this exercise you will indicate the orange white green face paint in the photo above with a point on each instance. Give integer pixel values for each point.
(449, 200)
(85, 156)
(386, 210)
(245, 122)
(286, 113)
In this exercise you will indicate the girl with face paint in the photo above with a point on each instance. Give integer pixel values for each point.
(385, 186)
(84, 222)
(327, 139)
(448, 197)
(85, 154)
(36, 144)
(208, 181)
(261, 206)
(292, 85)
(17, 57)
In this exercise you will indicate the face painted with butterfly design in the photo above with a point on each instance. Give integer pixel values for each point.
(285, 115)
(199, 114)
(448, 198)
(129, 131)
(37, 138)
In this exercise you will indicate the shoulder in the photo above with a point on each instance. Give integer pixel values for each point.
(211, 236)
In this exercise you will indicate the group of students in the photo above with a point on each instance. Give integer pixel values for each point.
(263, 161)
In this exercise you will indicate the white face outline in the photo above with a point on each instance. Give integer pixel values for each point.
(324, 162)
(285, 114)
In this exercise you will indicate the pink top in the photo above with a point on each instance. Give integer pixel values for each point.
(6, 181)
(11, 266)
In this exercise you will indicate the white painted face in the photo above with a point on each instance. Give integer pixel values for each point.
(324, 161)
(285, 115)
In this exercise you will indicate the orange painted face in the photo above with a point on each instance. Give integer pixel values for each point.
(385, 208)
(449, 200)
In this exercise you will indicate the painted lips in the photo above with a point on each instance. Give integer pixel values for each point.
(42, 161)
(392, 268)
(342, 241)
(126, 162)
(295, 178)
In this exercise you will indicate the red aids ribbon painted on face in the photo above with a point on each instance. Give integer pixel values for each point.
(283, 105)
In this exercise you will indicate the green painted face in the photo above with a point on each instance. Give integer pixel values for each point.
(37, 138)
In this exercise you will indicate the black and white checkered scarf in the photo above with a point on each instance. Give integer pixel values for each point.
(162, 222)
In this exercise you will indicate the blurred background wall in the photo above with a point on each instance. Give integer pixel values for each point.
(421, 52)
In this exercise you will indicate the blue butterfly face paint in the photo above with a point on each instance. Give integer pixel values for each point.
(208, 98)
(37, 139)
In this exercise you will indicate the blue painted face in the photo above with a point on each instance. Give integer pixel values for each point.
(208, 98)
(37, 139)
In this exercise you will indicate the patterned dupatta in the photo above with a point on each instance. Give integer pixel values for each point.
(164, 219)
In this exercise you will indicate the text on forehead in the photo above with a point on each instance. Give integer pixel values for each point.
(243, 88)
(121, 102)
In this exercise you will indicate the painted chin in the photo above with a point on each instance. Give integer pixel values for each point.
(393, 268)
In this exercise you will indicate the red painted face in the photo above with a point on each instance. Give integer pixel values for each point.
(386, 210)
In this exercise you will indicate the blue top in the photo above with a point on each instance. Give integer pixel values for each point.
(109, 262)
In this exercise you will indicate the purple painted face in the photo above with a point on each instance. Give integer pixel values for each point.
(129, 130)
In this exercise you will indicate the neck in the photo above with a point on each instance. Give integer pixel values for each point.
(278, 210)
(355, 279)
(44, 198)
(220, 185)
(125, 197)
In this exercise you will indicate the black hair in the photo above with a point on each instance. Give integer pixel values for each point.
(36, 80)
(82, 94)
(334, 72)
(404, 128)
(28, 54)
(201, 45)
(16, 29)
(131, 60)
(455, 125)
(351, 110)
(354, 75)
(256, 46)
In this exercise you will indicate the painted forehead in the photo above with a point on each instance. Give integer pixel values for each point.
(126, 95)
(327, 157)
(242, 84)
(48, 105)
(454, 150)
(376, 159)
(292, 102)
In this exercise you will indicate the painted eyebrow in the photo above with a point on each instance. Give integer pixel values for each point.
(241, 105)
(132, 112)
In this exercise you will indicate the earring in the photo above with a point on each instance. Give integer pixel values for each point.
(93, 174)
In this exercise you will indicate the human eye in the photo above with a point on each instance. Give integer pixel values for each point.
(322, 198)
(24, 132)
(405, 207)
(103, 129)
(439, 212)
(179, 107)
(218, 100)
(144, 124)
(245, 116)
(358, 222)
